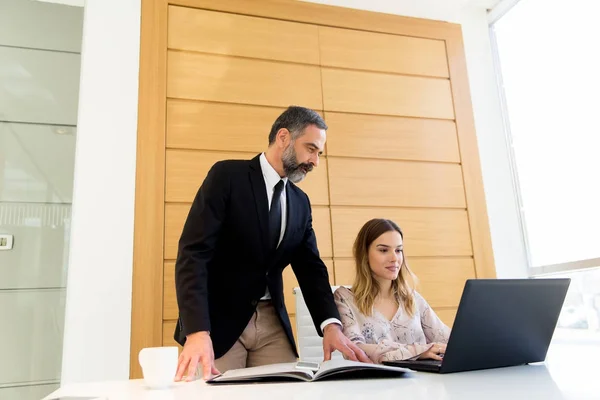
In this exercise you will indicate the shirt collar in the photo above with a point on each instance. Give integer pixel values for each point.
(271, 176)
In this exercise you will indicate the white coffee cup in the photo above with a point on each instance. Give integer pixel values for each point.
(159, 365)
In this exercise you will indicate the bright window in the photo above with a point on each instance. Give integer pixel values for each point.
(548, 62)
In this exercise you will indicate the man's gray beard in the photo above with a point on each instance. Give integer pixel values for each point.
(291, 167)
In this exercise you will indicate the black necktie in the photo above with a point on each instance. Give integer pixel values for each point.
(275, 215)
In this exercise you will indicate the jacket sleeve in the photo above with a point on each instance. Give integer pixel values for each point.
(313, 278)
(197, 247)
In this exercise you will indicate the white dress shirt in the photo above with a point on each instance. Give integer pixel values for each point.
(271, 179)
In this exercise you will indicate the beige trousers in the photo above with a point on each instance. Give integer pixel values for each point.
(262, 342)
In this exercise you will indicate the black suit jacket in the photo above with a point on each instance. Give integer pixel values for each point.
(224, 263)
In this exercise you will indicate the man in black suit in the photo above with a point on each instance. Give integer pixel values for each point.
(247, 223)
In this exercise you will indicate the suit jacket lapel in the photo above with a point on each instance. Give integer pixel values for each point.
(260, 200)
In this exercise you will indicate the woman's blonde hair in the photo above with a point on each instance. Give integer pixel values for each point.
(365, 287)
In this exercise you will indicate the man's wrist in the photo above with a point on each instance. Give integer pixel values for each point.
(199, 334)
(330, 322)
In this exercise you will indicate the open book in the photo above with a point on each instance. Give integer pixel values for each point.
(303, 371)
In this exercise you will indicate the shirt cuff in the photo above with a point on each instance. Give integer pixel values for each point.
(330, 321)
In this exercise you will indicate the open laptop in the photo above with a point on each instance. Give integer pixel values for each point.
(499, 323)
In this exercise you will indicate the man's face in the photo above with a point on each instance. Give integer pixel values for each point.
(302, 155)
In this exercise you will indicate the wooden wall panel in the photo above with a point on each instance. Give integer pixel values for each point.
(322, 227)
(176, 213)
(319, 14)
(219, 126)
(146, 288)
(428, 232)
(397, 138)
(186, 170)
(345, 271)
(380, 52)
(170, 310)
(203, 125)
(221, 77)
(316, 184)
(294, 328)
(395, 183)
(385, 94)
(440, 280)
(240, 35)
(447, 315)
(199, 76)
(168, 328)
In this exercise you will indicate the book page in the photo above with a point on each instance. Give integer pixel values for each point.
(346, 366)
(283, 370)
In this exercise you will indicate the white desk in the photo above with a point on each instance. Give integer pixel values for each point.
(552, 380)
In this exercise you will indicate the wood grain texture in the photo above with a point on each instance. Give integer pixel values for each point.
(312, 13)
(168, 329)
(361, 50)
(441, 280)
(198, 76)
(395, 183)
(170, 309)
(294, 328)
(447, 315)
(427, 232)
(385, 94)
(146, 305)
(321, 221)
(397, 138)
(219, 126)
(240, 35)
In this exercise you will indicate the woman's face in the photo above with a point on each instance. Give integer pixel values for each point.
(385, 256)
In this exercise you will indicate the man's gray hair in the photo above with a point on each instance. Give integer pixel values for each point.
(295, 119)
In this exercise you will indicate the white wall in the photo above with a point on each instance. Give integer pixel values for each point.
(98, 311)
(99, 287)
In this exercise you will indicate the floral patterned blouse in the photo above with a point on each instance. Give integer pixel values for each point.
(401, 338)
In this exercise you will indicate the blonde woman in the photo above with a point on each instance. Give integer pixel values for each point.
(382, 313)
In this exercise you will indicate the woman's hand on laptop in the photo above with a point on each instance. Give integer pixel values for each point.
(435, 352)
